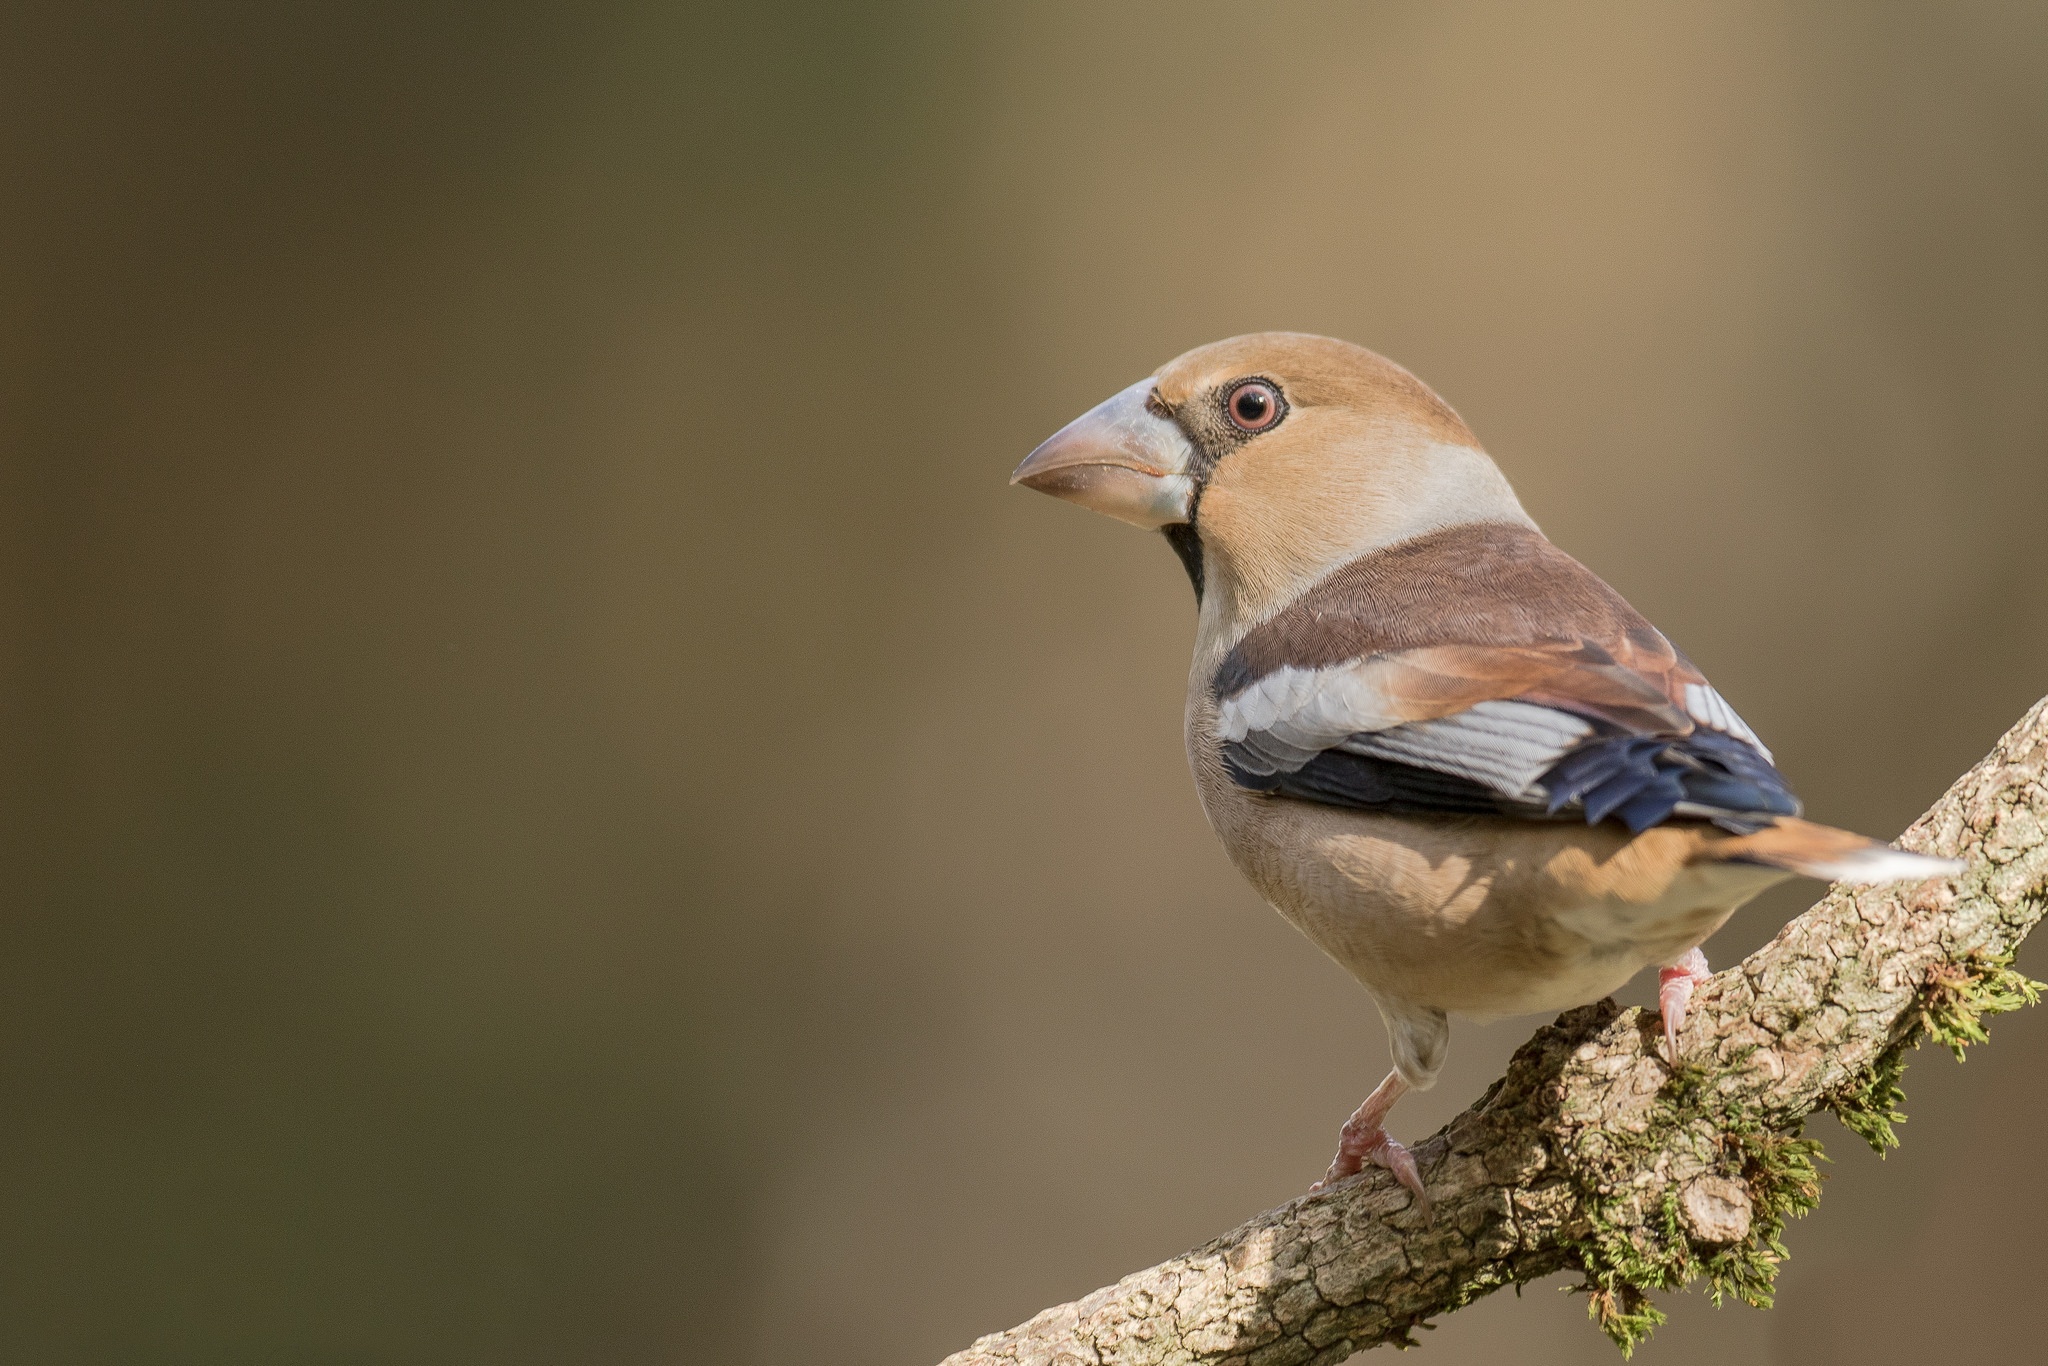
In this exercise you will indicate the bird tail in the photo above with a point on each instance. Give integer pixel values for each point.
(1823, 852)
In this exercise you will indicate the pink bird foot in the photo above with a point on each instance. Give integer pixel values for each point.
(1364, 1139)
(1674, 993)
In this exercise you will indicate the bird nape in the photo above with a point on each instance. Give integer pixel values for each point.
(1441, 747)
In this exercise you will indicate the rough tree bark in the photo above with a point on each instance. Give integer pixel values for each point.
(1592, 1155)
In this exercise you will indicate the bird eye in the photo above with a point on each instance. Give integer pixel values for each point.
(1253, 405)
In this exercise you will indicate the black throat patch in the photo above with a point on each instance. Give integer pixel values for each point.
(1187, 543)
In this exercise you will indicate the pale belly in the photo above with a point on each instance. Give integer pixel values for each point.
(1481, 916)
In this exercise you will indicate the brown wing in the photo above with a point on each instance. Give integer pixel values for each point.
(1481, 668)
(1472, 613)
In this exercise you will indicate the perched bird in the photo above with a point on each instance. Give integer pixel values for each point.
(1441, 747)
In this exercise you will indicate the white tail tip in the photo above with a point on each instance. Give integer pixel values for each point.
(1869, 867)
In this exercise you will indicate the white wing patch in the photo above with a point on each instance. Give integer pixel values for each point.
(1505, 745)
(1708, 708)
(1291, 715)
(1309, 708)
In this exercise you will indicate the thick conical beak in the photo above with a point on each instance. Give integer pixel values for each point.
(1118, 458)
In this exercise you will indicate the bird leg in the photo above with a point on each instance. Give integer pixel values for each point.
(1674, 992)
(1364, 1139)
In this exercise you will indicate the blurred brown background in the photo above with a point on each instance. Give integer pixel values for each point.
(557, 808)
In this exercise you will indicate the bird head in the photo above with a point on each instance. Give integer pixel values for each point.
(1272, 458)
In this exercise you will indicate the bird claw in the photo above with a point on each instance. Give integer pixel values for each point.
(1674, 994)
(1356, 1147)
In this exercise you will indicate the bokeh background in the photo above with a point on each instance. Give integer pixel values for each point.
(557, 809)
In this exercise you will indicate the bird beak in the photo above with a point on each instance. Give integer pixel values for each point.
(1118, 458)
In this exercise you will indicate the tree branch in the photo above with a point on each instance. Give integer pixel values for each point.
(1592, 1155)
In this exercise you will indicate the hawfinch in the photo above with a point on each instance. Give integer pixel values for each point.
(1441, 747)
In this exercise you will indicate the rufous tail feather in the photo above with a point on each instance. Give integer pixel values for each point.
(1821, 851)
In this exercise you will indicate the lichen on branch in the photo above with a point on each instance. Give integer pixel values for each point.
(1592, 1154)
